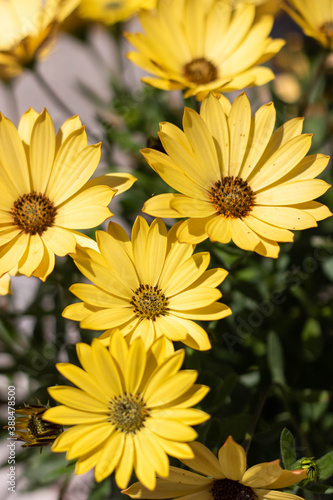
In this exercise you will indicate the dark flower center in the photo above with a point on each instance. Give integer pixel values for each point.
(232, 197)
(327, 30)
(227, 489)
(128, 413)
(149, 302)
(200, 71)
(33, 213)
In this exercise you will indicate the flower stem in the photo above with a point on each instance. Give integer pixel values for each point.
(250, 432)
(306, 98)
(62, 105)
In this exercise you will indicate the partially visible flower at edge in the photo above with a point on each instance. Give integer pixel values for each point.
(46, 193)
(132, 409)
(238, 179)
(28, 30)
(314, 17)
(32, 429)
(112, 11)
(148, 287)
(222, 478)
(203, 46)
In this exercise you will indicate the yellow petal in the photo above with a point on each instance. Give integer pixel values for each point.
(42, 150)
(232, 458)
(110, 456)
(204, 461)
(261, 475)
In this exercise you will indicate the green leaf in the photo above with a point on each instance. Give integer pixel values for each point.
(322, 488)
(288, 451)
(275, 358)
(312, 339)
(325, 464)
(100, 491)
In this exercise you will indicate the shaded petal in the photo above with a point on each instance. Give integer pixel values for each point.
(194, 298)
(68, 416)
(286, 217)
(160, 206)
(126, 463)
(202, 144)
(232, 458)
(77, 399)
(291, 193)
(11, 252)
(32, 257)
(187, 273)
(86, 209)
(242, 235)
(13, 159)
(204, 461)
(110, 455)
(170, 389)
(261, 475)
(135, 366)
(42, 150)
(169, 429)
(60, 241)
(239, 122)
(95, 436)
(212, 113)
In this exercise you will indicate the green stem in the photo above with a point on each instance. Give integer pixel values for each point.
(250, 432)
(11, 99)
(61, 104)
(306, 98)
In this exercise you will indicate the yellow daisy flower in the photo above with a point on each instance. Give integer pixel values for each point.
(112, 11)
(46, 193)
(28, 29)
(204, 46)
(132, 409)
(314, 17)
(149, 287)
(239, 180)
(222, 478)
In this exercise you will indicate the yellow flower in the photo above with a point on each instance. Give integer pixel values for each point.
(239, 180)
(46, 193)
(225, 478)
(5, 285)
(314, 17)
(27, 31)
(204, 45)
(112, 11)
(131, 410)
(149, 287)
(31, 427)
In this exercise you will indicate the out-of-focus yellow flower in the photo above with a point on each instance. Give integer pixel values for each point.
(315, 17)
(224, 478)
(131, 409)
(46, 192)
(263, 6)
(204, 45)
(112, 11)
(27, 31)
(238, 180)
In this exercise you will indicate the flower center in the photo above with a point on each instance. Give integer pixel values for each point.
(227, 489)
(200, 71)
(232, 197)
(327, 30)
(149, 302)
(36, 426)
(33, 213)
(128, 413)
